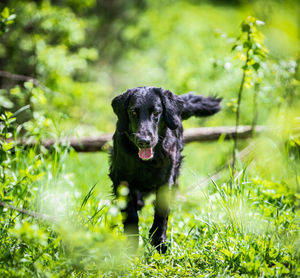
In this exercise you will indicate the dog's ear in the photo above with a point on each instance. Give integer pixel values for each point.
(119, 105)
(173, 106)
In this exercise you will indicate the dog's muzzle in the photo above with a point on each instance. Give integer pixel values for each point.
(144, 145)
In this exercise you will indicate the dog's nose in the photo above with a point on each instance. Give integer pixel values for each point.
(143, 141)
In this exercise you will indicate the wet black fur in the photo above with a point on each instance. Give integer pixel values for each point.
(151, 116)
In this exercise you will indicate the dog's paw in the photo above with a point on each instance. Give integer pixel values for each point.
(158, 240)
(162, 247)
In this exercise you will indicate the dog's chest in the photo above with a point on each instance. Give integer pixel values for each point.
(146, 175)
(151, 177)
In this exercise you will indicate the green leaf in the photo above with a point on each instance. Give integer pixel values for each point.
(28, 85)
(5, 13)
(21, 110)
(246, 27)
(245, 67)
(256, 66)
(5, 102)
(247, 45)
(234, 47)
(7, 146)
(8, 114)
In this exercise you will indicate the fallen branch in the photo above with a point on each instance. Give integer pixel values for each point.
(201, 134)
(214, 133)
(86, 144)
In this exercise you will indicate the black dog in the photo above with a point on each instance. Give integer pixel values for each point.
(147, 147)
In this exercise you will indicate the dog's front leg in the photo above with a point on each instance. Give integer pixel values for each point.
(158, 231)
(131, 219)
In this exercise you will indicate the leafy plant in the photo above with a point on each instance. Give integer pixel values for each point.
(6, 19)
(253, 53)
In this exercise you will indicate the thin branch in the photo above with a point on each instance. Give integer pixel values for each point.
(244, 153)
(25, 78)
(255, 104)
(237, 120)
(28, 212)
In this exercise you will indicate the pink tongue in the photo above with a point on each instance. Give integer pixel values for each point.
(145, 153)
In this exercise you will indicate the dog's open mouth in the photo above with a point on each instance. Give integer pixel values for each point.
(145, 153)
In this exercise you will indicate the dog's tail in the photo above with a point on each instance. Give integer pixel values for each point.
(199, 106)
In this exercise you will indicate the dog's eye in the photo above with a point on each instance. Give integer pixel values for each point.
(155, 113)
(133, 113)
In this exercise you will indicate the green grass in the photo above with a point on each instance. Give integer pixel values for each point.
(88, 169)
(251, 230)
(248, 227)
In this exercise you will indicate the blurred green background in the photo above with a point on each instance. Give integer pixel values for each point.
(87, 52)
(84, 53)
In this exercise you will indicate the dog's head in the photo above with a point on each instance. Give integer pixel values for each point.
(142, 112)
